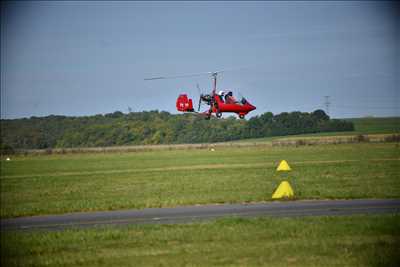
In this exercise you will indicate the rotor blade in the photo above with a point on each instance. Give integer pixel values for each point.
(179, 76)
(155, 78)
(197, 74)
(229, 70)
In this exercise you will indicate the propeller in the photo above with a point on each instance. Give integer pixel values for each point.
(198, 109)
(198, 88)
(200, 96)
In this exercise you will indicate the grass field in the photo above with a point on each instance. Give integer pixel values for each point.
(85, 182)
(311, 241)
(389, 125)
(59, 183)
(376, 125)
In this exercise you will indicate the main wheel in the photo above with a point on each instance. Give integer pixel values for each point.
(241, 116)
(218, 114)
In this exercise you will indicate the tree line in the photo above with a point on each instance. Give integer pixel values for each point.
(154, 127)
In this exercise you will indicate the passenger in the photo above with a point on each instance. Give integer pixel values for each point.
(229, 99)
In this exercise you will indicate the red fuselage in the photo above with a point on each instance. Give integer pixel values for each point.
(240, 108)
(217, 105)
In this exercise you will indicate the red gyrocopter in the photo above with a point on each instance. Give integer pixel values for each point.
(221, 102)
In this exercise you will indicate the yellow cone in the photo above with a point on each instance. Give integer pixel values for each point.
(283, 166)
(283, 190)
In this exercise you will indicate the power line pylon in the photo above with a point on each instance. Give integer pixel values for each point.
(327, 104)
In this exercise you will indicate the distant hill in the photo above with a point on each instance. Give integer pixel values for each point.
(376, 125)
(154, 127)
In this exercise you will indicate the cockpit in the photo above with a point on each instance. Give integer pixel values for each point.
(228, 98)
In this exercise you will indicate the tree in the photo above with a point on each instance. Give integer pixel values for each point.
(154, 127)
(320, 115)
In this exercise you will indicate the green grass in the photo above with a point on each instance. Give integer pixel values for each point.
(376, 125)
(389, 125)
(310, 241)
(84, 182)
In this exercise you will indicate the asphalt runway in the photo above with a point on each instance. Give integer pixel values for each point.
(205, 212)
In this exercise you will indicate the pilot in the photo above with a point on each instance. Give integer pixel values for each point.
(221, 95)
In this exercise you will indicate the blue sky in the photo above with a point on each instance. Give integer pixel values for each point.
(84, 58)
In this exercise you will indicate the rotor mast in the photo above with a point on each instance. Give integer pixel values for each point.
(214, 75)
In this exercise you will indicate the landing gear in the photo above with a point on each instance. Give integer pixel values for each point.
(241, 116)
(208, 115)
(218, 114)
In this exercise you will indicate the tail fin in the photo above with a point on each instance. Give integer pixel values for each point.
(184, 104)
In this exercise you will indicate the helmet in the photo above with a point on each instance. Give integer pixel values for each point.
(221, 93)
